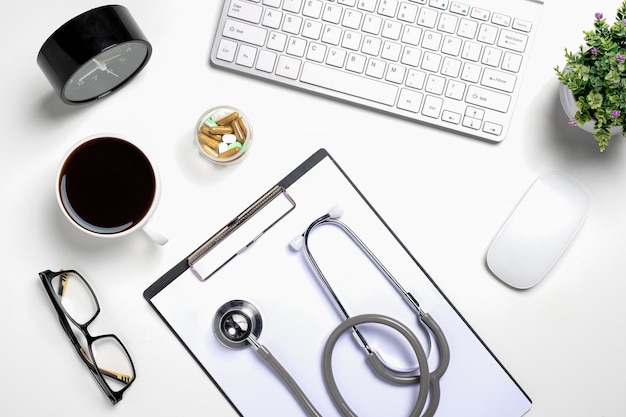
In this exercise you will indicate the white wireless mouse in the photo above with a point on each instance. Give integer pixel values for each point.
(538, 231)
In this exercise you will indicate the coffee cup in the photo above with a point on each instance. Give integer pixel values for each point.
(107, 187)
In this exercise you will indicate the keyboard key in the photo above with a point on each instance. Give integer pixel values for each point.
(277, 41)
(455, 90)
(266, 61)
(350, 84)
(427, 17)
(471, 122)
(245, 11)
(272, 18)
(388, 8)
(416, 79)
(410, 100)
(375, 68)
(408, 12)
(332, 13)
(511, 62)
(227, 50)
(288, 67)
(467, 28)
(367, 5)
(292, 6)
(352, 19)
(356, 63)
(432, 107)
(459, 8)
(313, 8)
(246, 56)
(499, 80)
(451, 117)
(514, 41)
(480, 14)
(471, 72)
(316, 52)
(439, 4)
(488, 99)
(492, 128)
(244, 32)
(501, 20)
(523, 25)
(435, 84)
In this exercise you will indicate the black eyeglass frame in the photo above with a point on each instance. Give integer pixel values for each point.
(64, 318)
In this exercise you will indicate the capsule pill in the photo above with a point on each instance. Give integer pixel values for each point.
(220, 130)
(238, 131)
(205, 131)
(228, 152)
(209, 141)
(210, 151)
(226, 120)
(230, 138)
(244, 128)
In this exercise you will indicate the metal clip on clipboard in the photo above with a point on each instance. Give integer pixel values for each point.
(243, 231)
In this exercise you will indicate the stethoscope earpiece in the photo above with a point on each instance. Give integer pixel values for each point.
(297, 243)
(335, 211)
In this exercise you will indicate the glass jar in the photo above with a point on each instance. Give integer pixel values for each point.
(223, 135)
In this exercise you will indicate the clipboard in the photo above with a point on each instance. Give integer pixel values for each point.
(250, 258)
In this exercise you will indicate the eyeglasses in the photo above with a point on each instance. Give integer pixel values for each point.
(77, 306)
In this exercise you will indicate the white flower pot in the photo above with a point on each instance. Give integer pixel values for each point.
(568, 101)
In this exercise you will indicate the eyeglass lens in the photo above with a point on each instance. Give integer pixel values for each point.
(80, 304)
(75, 296)
(113, 361)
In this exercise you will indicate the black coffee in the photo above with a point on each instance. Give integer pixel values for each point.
(107, 185)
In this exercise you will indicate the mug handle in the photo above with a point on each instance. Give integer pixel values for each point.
(157, 237)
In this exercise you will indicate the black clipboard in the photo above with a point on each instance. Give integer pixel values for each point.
(249, 258)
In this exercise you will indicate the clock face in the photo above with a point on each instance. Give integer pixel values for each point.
(106, 71)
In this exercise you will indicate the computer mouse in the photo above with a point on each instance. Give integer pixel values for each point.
(538, 230)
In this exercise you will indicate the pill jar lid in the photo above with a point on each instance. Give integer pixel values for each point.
(223, 135)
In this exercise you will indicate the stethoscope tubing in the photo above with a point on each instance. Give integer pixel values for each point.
(327, 367)
(305, 403)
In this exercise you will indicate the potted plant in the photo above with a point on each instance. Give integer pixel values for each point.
(594, 79)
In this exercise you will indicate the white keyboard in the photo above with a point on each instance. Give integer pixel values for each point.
(444, 63)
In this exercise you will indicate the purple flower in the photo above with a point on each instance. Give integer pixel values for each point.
(572, 122)
(599, 16)
(620, 58)
(615, 114)
(595, 51)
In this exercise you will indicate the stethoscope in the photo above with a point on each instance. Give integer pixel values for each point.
(238, 323)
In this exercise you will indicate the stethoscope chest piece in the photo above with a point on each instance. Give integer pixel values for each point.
(235, 322)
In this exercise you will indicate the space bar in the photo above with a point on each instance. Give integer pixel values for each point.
(347, 83)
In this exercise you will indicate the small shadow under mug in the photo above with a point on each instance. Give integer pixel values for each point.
(107, 187)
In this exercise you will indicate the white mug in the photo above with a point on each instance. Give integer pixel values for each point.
(107, 187)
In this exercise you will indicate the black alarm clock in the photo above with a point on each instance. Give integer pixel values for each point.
(94, 54)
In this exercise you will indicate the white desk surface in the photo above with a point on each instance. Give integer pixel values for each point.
(444, 195)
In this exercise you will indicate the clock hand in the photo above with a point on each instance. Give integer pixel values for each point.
(112, 73)
(103, 65)
(100, 66)
(113, 57)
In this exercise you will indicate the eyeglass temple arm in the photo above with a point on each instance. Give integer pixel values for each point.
(118, 376)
